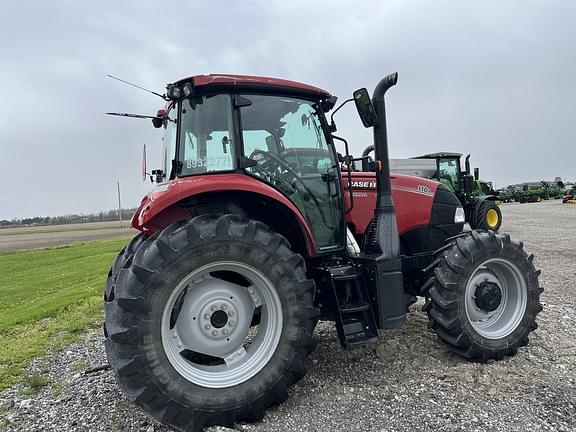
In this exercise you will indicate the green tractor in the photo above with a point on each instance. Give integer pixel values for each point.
(551, 191)
(477, 197)
(528, 195)
(505, 195)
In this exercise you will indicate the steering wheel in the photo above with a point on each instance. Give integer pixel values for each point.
(271, 165)
(274, 163)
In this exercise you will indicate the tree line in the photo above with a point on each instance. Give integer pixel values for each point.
(102, 216)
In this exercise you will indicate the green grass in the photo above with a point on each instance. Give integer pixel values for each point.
(47, 298)
(34, 383)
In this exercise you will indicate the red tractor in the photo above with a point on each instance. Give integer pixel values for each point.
(252, 235)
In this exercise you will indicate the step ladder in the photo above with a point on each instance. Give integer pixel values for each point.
(355, 323)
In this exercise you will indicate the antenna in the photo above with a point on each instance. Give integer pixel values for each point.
(120, 114)
(138, 87)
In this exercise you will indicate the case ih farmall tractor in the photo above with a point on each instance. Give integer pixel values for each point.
(252, 235)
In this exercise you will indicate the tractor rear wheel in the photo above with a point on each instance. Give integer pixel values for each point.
(487, 216)
(182, 335)
(484, 296)
(127, 253)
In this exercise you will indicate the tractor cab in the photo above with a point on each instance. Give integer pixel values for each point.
(276, 135)
(449, 172)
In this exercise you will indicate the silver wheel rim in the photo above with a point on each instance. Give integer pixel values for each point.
(207, 330)
(502, 321)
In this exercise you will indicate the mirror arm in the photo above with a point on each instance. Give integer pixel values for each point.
(332, 124)
(348, 161)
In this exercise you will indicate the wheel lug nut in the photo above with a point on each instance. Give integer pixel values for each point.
(207, 327)
(213, 307)
(231, 323)
(215, 333)
(174, 335)
(251, 291)
(224, 332)
(206, 316)
(223, 307)
(231, 313)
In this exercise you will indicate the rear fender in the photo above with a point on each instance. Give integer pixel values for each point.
(176, 200)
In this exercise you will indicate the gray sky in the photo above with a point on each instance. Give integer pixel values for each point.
(493, 78)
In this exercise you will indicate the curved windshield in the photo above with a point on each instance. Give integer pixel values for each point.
(206, 135)
(285, 137)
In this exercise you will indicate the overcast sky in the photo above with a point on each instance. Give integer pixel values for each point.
(496, 79)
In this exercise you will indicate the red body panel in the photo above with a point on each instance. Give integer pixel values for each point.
(249, 80)
(413, 198)
(157, 210)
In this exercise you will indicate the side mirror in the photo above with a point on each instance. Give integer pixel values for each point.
(365, 108)
(158, 121)
(476, 174)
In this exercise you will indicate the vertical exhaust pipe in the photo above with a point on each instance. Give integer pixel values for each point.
(381, 141)
(382, 242)
(383, 238)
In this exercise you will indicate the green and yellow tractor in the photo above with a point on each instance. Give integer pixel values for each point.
(477, 197)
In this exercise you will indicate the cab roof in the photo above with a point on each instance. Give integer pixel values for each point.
(438, 155)
(250, 82)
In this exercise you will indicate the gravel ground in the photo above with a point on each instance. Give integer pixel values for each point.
(405, 382)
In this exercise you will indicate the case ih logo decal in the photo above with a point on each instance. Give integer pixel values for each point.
(364, 184)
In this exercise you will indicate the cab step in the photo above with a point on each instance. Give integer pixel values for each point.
(355, 323)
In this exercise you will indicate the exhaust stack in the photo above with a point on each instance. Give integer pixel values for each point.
(383, 232)
(381, 247)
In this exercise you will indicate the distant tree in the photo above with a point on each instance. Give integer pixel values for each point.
(110, 215)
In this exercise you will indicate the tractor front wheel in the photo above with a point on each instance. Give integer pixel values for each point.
(487, 216)
(210, 322)
(484, 296)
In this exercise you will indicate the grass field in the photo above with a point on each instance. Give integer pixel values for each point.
(47, 298)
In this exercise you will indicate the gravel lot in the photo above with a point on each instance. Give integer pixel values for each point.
(406, 382)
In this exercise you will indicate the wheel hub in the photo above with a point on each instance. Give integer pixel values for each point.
(219, 319)
(488, 296)
(207, 330)
(492, 218)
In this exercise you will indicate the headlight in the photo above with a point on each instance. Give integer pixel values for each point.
(459, 216)
(187, 89)
(174, 92)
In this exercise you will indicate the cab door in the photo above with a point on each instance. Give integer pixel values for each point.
(284, 136)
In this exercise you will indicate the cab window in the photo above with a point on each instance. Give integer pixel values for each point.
(206, 135)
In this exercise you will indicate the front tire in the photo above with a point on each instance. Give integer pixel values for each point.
(488, 216)
(484, 296)
(183, 339)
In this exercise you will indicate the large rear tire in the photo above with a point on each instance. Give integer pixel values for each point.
(484, 296)
(210, 322)
(127, 253)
